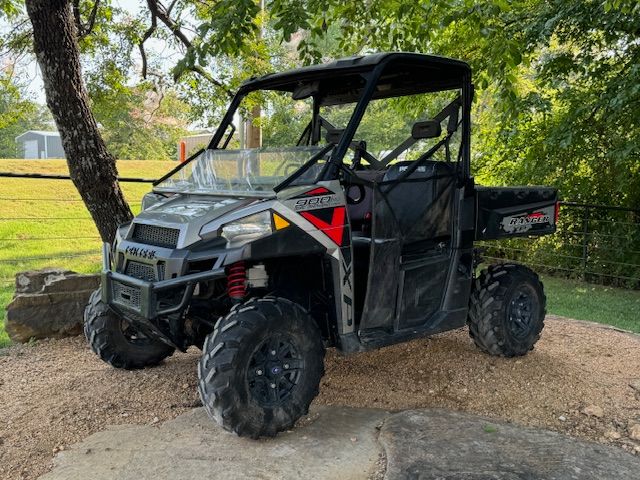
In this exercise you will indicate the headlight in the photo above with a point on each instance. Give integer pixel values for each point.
(121, 232)
(247, 229)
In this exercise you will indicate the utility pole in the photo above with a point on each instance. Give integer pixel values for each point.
(253, 130)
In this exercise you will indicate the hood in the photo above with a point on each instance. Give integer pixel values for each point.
(189, 213)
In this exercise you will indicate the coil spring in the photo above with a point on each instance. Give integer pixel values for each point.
(236, 280)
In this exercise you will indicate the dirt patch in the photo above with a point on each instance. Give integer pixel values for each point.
(57, 392)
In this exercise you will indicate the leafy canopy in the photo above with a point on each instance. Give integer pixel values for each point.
(557, 82)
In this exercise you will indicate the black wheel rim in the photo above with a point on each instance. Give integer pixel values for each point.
(522, 311)
(274, 371)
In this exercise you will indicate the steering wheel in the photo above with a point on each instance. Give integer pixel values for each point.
(351, 200)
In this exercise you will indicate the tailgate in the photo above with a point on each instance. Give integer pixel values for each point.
(515, 211)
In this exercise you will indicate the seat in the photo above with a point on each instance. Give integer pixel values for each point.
(429, 168)
(360, 213)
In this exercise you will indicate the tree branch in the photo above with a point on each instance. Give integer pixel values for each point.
(158, 10)
(170, 7)
(84, 30)
(92, 17)
(145, 37)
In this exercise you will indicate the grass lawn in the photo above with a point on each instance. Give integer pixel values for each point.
(43, 224)
(584, 301)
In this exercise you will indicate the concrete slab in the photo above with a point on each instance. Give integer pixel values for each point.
(330, 443)
(344, 443)
(443, 445)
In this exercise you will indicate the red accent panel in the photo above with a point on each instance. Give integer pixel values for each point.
(317, 191)
(333, 230)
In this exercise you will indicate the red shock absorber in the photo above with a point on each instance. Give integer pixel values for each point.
(237, 281)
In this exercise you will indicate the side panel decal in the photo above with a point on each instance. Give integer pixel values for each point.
(321, 213)
(331, 221)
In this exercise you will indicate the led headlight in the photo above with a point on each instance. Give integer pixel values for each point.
(247, 229)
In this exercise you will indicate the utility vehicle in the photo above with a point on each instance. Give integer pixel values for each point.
(352, 226)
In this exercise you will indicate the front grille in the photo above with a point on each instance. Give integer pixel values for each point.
(154, 235)
(126, 295)
(141, 271)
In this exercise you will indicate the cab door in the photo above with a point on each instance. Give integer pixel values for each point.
(411, 246)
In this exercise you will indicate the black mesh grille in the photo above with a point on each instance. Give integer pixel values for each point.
(126, 295)
(141, 271)
(158, 236)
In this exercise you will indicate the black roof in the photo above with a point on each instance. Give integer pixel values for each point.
(341, 81)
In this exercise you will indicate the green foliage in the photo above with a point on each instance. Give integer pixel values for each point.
(10, 8)
(575, 125)
(140, 122)
(17, 115)
(558, 82)
(224, 27)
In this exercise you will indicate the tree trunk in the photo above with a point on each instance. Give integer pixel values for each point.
(254, 130)
(91, 166)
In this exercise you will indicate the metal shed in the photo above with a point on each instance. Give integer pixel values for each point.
(40, 144)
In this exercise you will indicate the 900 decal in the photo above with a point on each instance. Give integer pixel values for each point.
(316, 202)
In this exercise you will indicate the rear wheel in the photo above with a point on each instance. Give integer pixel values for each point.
(261, 367)
(507, 309)
(116, 341)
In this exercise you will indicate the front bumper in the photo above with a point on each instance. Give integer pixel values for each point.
(141, 299)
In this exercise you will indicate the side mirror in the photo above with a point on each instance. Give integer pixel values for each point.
(426, 129)
(333, 136)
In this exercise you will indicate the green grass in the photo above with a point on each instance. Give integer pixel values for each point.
(489, 429)
(43, 223)
(27, 241)
(584, 301)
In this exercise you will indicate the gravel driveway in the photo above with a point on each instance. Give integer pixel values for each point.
(582, 379)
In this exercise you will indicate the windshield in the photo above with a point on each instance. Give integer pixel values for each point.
(248, 172)
(273, 138)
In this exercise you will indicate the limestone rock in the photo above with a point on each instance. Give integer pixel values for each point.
(612, 435)
(593, 411)
(48, 304)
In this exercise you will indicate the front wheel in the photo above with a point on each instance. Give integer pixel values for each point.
(261, 367)
(506, 310)
(116, 341)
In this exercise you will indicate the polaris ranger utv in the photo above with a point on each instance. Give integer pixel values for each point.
(354, 228)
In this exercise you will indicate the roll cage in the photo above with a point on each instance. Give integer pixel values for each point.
(360, 80)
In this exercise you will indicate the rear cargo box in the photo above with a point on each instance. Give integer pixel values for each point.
(504, 212)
